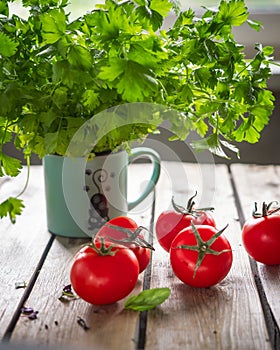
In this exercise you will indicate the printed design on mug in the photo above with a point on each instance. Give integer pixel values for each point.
(98, 213)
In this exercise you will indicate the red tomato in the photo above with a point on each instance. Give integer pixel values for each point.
(194, 260)
(104, 279)
(171, 222)
(261, 238)
(143, 254)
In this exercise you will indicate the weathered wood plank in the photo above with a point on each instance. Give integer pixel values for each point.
(21, 244)
(226, 316)
(111, 327)
(258, 184)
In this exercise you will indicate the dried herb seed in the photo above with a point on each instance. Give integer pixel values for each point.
(19, 285)
(82, 323)
(67, 294)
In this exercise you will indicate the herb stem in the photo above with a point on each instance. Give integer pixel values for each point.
(4, 133)
(27, 177)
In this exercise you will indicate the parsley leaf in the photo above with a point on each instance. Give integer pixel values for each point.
(4, 8)
(53, 25)
(80, 57)
(9, 165)
(163, 7)
(232, 12)
(8, 47)
(12, 207)
(57, 73)
(136, 83)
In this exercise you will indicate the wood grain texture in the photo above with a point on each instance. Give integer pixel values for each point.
(226, 316)
(257, 184)
(110, 327)
(21, 244)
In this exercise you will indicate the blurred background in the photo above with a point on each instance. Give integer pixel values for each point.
(266, 150)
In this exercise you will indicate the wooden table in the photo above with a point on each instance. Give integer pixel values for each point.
(242, 312)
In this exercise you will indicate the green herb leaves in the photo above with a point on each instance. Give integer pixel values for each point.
(56, 74)
(147, 299)
(232, 12)
(12, 207)
(7, 46)
(162, 7)
(227, 95)
(9, 165)
(113, 55)
(53, 25)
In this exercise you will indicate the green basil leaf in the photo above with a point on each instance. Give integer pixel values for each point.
(148, 299)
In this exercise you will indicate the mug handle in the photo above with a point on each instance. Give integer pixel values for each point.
(155, 159)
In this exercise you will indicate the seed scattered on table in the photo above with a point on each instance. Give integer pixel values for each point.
(82, 323)
(29, 312)
(19, 285)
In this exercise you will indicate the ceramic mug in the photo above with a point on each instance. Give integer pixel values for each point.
(82, 195)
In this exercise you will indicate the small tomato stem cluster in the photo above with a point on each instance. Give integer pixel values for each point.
(266, 209)
(189, 209)
(203, 247)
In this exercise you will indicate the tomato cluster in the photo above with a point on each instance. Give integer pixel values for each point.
(112, 231)
(200, 255)
(107, 270)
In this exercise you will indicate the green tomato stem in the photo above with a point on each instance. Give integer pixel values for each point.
(203, 247)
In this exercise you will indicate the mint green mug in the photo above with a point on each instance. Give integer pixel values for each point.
(82, 195)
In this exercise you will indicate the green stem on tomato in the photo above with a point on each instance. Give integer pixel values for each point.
(203, 247)
(266, 211)
(132, 236)
(103, 250)
(189, 208)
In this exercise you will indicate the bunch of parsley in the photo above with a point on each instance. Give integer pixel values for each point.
(55, 74)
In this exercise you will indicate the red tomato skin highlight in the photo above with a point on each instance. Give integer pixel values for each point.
(261, 239)
(143, 254)
(122, 221)
(106, 279)
(213, 269)
(170, 223)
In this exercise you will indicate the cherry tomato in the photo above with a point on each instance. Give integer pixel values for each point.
(201, 256)
(170, 223)
(261, 236)
(143, 254)
(104, 279)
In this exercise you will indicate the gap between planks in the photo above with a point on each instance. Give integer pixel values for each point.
(27, 291)
(143, 316)
(45, 275)
(271, 324)
(208, 318)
